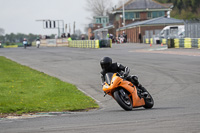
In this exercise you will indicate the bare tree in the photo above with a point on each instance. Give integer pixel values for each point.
(98, 7)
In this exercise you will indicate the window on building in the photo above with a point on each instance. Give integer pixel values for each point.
(98, 20)
(117, 17)
(137, 15)
(158, 14)
(129, 15)
(149, 15)
(126, 15)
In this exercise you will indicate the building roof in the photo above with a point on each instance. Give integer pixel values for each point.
(144, 5)
(155, 21)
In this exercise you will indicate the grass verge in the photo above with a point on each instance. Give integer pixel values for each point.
(24, 90)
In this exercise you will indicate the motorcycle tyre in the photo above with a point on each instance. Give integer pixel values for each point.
(117, 97)
(148, 105)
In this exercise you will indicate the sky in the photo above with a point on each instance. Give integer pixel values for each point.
(19, 16)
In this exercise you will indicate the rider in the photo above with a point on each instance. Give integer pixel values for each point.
(25, 42)
(37, 42)
(108, 66)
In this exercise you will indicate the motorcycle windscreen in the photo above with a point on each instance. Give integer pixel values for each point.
(108, 78)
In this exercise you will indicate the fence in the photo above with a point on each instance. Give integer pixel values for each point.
(192, 29)
(54, 42)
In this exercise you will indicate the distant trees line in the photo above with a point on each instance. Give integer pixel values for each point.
(19, 37)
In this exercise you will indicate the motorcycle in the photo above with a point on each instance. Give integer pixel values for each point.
(37, 43)
(126, 94)
(25, 46)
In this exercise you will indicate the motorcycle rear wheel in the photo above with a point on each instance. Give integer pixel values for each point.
(123, 100)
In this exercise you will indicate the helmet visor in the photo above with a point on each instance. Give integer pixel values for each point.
(105, 66)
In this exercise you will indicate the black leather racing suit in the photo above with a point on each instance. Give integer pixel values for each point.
(116, 67)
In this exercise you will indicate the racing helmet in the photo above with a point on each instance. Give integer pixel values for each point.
(105, 62)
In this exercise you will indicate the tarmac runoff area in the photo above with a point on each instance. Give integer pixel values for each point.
(171, 75)
(165, 50)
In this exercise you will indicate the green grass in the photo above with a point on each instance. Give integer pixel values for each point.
(24, 90)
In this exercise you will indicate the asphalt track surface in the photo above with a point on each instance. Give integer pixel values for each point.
(172, 76)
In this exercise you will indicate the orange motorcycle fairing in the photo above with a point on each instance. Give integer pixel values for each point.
(118, 82)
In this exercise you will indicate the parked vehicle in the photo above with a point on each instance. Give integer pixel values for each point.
(102, 36)
(171, 32)
(174, 31)
(127, 95)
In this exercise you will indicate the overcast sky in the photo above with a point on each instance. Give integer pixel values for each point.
(19, 16)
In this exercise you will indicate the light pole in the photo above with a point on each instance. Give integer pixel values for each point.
(123, 14)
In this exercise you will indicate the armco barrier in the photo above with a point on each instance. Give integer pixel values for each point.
(88, 44)
(185, 43)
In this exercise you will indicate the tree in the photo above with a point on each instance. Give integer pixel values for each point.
(98, 7)
(195, 4)
(2, 31)
(184, 9)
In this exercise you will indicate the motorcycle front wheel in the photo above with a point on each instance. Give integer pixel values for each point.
(149, 102)
(123, 99)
